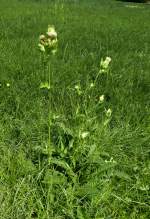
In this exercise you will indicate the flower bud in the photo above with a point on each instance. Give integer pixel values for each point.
(84, 135)
(42, 37)
(92, 85)
(41, 47)
(51, 28)
(108, 60)
(101, 98)
(108, 112)
(52, 34)
(8, 85)
(105, 63)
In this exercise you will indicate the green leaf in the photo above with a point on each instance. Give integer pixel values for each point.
(45, 85)
(65, 166)
(54, 177)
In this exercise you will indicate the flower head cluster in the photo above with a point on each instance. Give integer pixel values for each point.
(48, 43)
(101, 99)
(104, 64)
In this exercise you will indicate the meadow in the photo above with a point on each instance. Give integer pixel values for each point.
(78, 147)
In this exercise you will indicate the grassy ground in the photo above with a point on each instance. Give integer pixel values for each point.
(66, 162)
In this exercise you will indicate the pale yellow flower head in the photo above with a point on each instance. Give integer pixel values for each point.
(84, 135)
(104, 64)
(8, 85)
(108, 112)
(51, 33)
(78, 89)
(48, 43)
(42, 37)
(101, 98)
(92, 85)
(51, 28)
(108, 60)
(41, 47)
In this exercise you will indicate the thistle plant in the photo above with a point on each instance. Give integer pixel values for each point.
(103, 68)
(88, 102)
(48, 43)
(104, 65)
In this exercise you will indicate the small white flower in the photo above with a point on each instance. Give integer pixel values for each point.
(104, 64)
(8, 85)
(101, 98)
(84, 135)
(108, 59)
(54, 43)
(42, 37)
(77, 87)
(55, 117)
(41, 47)
(92, 85)
(52, 35)
(111, 161)
(108, 112)
(51, 28)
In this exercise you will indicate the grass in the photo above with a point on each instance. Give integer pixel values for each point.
(64, 163)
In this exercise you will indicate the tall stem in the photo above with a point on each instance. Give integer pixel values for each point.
(49, 104)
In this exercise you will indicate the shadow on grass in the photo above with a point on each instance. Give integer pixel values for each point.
(136, 1)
